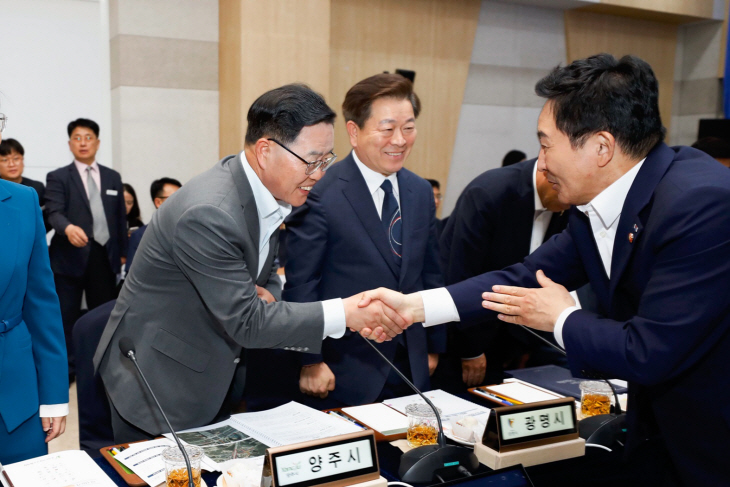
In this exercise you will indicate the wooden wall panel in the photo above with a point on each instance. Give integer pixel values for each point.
(588, 33)
(677, 11)
(264, 45)
(432, 37)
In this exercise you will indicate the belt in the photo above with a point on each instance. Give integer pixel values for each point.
(7, 325)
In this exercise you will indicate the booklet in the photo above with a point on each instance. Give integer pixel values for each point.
(73, 468)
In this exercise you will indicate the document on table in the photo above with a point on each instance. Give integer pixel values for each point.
(145, 459)
(523, 392)
(379, 417)
(73, 468)
(452, 407)
(290, 423)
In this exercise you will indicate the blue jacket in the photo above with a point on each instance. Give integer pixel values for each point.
(33, 363)
(667, 326)
(337, 247)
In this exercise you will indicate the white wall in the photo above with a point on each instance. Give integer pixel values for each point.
(53, 69)
(515, 45)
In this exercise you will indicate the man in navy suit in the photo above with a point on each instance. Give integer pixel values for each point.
(651, 233)
(160, 190)
(85, 206)
(369, 222)
(502, 216)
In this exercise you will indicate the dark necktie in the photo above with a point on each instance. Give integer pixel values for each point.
(392, 222)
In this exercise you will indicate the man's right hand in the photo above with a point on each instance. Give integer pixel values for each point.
(76, 236)
(408, 306)
(316, 380)
(373, 320)
(473, 370)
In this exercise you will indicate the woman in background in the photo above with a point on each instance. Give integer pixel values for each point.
(33, 363)
(133, 214)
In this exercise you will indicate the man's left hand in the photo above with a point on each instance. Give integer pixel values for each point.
(54, 427)
(537, 308)
(433, 362)
(264, 294)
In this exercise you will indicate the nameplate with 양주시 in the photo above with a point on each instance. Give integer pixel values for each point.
(528, 425)
(328, 462)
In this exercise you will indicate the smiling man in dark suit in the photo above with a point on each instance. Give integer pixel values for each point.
(651, 233)
(370, 222)
(85, 206)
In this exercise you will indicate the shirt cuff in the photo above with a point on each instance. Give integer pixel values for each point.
(334, 318)
(438, 307)
(558, 331)
(53, 410)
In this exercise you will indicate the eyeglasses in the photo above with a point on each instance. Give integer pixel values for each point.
(3, 121)
(87, 138)
(311, 166)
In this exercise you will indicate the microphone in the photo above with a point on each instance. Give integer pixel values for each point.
(421, 464)
(127, 348)
(602, 430)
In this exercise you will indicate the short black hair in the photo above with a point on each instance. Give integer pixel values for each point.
(283, 112)
(134, 213)
(712, 146)
(83, 122)
(9, 145)
(159, 184)
(434, 183)
(600, 93)
(513, 157)
(360, 98)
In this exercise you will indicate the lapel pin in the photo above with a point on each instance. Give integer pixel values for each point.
(636, 228)
(631, 238)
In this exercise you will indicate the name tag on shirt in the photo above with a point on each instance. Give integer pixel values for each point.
(112, 192)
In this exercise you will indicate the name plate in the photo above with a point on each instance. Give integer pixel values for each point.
(528, 425)
(331, 462)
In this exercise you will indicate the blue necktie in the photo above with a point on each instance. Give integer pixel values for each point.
(392, 222)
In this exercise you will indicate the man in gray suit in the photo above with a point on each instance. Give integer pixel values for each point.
(204, 284)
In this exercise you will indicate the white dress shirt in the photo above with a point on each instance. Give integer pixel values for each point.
(271, 214)
(81, 168)
(439, 306)
(542, 217)
(373, 180)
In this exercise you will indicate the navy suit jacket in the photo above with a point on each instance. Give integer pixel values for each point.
(67, 203)
(490, 229)
(33, 363)
(134, 241)
(337, 247)
(667, 323)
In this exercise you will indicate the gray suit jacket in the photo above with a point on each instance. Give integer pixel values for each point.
(190, 305)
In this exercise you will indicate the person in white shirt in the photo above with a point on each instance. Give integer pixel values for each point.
(651, 233)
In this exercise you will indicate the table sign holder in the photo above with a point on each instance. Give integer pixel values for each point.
(302, 464)
(531, 434)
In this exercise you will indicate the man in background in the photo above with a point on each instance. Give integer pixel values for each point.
(160, 190)
(438, 198)
(85, 206)
(502, 216)
(12, 165)
(513, 157)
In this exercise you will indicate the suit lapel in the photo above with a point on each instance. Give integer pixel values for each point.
(409, 216)
(9, 226)
(106, 183)
(357, 194)
(580, 229)
(248, 203)
(76, 178)
(630, 224)
(266, 269)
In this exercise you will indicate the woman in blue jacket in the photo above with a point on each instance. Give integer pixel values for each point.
(33, 365)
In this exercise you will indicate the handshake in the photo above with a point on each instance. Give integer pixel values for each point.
(382, 314)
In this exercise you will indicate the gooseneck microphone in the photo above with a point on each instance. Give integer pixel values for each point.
(602, 430)
(421, 464)
(127, 347)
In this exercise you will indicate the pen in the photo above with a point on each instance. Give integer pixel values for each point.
(5, 474)
(494, 398)
(346, 418)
